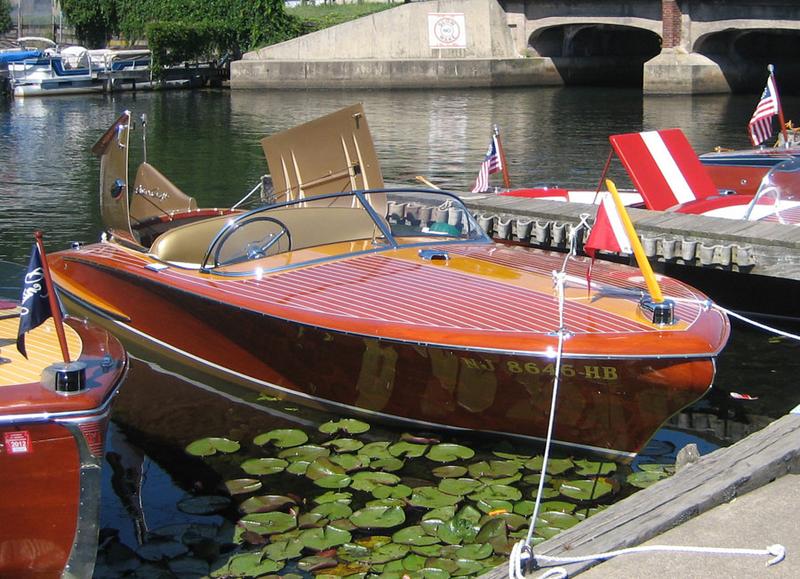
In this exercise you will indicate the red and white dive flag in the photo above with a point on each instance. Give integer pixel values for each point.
(608, 232)
(768, 106)
(492, 163)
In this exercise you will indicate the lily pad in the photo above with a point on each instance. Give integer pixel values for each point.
(494, 469)
(388, 464)
(203, 505)
(334, 481)
(332, 496)
(211, 446)
(348, 425)
(298, 467)
(435, 517)
(161, 550)
(241, 486)
(554, 465)
(392, 492)
(368, 480)
(449, 471)
(497, 492)
(353, 552)
(378, 517)
(268, 523)
(264, 466)
(457, 531)
(413, 562)
(584, 490)
(594, 468)
(322, 467)
(407, 449)
(350, 462)
(431, 497)
(326, 538)
(247, 565)
(306, 452)
(458, 486)
(344, 444)
(311, 521)
(389, 552)
(558, 519)
(414, 535)
(474, 551)
(333, 510)
(283, 550)
(495, 506)
(282, 438)
(316, 563)
(265, 504)
(379, 449)
(449, 452)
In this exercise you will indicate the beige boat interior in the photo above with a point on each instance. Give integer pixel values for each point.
(264, 233)
(154, 195)
(330, 154)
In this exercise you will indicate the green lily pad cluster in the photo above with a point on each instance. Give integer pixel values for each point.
(338, 503)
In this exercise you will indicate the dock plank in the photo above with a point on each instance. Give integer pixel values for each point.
(763, 248)
(715, 479)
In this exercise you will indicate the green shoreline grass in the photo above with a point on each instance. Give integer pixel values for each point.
(327, 15)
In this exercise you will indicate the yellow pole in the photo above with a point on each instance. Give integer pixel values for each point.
(636, 245)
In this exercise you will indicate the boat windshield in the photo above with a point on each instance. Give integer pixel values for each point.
(780, 184)
(386, 218)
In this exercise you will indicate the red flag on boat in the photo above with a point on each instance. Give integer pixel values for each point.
(492, 163)
(760, 125)
(608, 233)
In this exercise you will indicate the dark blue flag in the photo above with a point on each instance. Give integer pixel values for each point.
(34, 301)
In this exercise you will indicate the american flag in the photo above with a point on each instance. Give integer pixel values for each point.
(491, 164)
(760, 125)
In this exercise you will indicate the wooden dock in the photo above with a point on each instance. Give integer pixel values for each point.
(714, 479)
(188, 76)
(767, 249)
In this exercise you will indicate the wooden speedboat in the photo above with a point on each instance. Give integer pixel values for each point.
(667, 175)
(53, 419)
(742, 170)
(394, 305)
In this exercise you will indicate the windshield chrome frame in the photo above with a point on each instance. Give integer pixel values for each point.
(361, 195)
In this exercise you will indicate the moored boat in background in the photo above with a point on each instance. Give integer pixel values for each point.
(53, 418)
(393, 304)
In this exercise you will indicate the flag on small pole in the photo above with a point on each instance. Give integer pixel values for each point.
(39, 300)
(614, 231)
(760, 125)
(492, 163)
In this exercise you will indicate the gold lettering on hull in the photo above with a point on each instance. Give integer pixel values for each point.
(590, 372)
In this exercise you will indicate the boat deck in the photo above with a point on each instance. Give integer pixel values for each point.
(41, 345)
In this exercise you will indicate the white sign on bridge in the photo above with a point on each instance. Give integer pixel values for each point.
(447, 30)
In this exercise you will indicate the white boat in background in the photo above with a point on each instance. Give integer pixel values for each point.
(53, 71)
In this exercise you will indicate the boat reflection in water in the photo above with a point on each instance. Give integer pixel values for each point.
(393, 304)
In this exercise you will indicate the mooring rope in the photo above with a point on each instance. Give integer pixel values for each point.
(522, 552)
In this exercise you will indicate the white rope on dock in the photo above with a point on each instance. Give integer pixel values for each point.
(522, 552)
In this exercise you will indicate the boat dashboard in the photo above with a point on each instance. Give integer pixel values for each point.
(385, 218)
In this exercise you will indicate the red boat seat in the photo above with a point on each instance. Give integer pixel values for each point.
(663, 167)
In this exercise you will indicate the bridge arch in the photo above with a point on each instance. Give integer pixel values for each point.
(596, 52)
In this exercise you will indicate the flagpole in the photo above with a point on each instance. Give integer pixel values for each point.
(771, 70)
(506, 178)
(636, 245)
(51, 296)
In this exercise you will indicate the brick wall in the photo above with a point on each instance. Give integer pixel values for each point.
(671, 23)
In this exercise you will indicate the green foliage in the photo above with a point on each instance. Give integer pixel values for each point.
(326, 15)
(95, 21)
(5, 16)
(176, 42)
(222, 25)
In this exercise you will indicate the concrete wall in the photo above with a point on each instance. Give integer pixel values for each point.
(401, 33)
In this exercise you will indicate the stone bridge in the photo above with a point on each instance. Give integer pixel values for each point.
(663, 46)
(691, 46)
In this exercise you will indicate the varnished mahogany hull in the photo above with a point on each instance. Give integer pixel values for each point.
(609, 403)
(50, 456)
